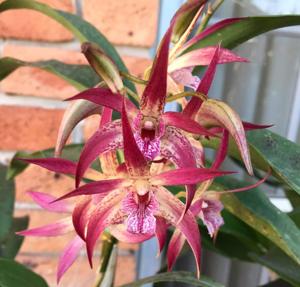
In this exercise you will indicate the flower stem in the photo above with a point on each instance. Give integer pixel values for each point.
(108, 260)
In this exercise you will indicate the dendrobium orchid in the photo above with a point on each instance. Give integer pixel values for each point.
(129, 197)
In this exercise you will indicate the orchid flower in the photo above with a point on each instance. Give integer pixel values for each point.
(134, 205)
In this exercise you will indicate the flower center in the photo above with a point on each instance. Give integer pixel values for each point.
(140, 209)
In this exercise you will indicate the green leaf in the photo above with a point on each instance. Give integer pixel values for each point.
(269, 149)
(254, 208)
(7, 199)
(180, 276)
(279, 262)
(13, 274)
(277, 283)
(79, 76)
(249, 27)
(83, 30)
(10, 246)
(70, 152)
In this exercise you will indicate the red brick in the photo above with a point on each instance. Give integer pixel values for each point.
(34, 81)
(39, 179)
(80, 274)
(28, 128)
(32, 25)
(126, 22)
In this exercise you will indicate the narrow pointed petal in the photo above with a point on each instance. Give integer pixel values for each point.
(171, 209)
(210, 30)
(183, 122)
(105, 97)
(58, 165)
(68, 256)
(120, 232)
(250, 126)
(80, 216)
(161, 232)
(175, 246)
(134, 159)
(59, 227)
(107, 139)
(72, 116)
(46, 202)
(101, 218)
(184, 176)
(202, 57)
(194, 104)
(220, 114)
(97, 187)
(177, 148)
(154, 95)
(222, 151)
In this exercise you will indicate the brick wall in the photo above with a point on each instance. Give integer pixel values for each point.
(31, 108)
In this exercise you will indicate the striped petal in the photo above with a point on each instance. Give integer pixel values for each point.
(220, 114)
(202, 57)
(68, 256)
(106, 139)
(171, 209)
(72, 116)
(135, 161)
(184, 176)
(194, 104)
(222, 151)
(57, 228)
(122, 234)
(46, 201)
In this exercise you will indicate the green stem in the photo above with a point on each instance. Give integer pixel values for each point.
(107, 262)
(212, 8)
(133, 78)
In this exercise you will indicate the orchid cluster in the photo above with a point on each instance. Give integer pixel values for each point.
(146, 149)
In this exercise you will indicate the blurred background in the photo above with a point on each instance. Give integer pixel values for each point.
(267, 90)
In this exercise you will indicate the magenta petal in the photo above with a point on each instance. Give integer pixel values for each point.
(183, 122)
(161, 232)
(250, 126)
(106, 116)
(194, 104)
(175, 246)
(134, 159)
(177, 148)
(186, 176)
(46, 201)
(211, 215)
(107, 139)
(154, 95)
(58, 165)
(68, 256)
(97, 187)
(53, 229)
(80, 217)
(185, 78)
(202, 57)
(105, 97)
(210, 30)
(171, 209)
(222, 151)
(100, 219)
